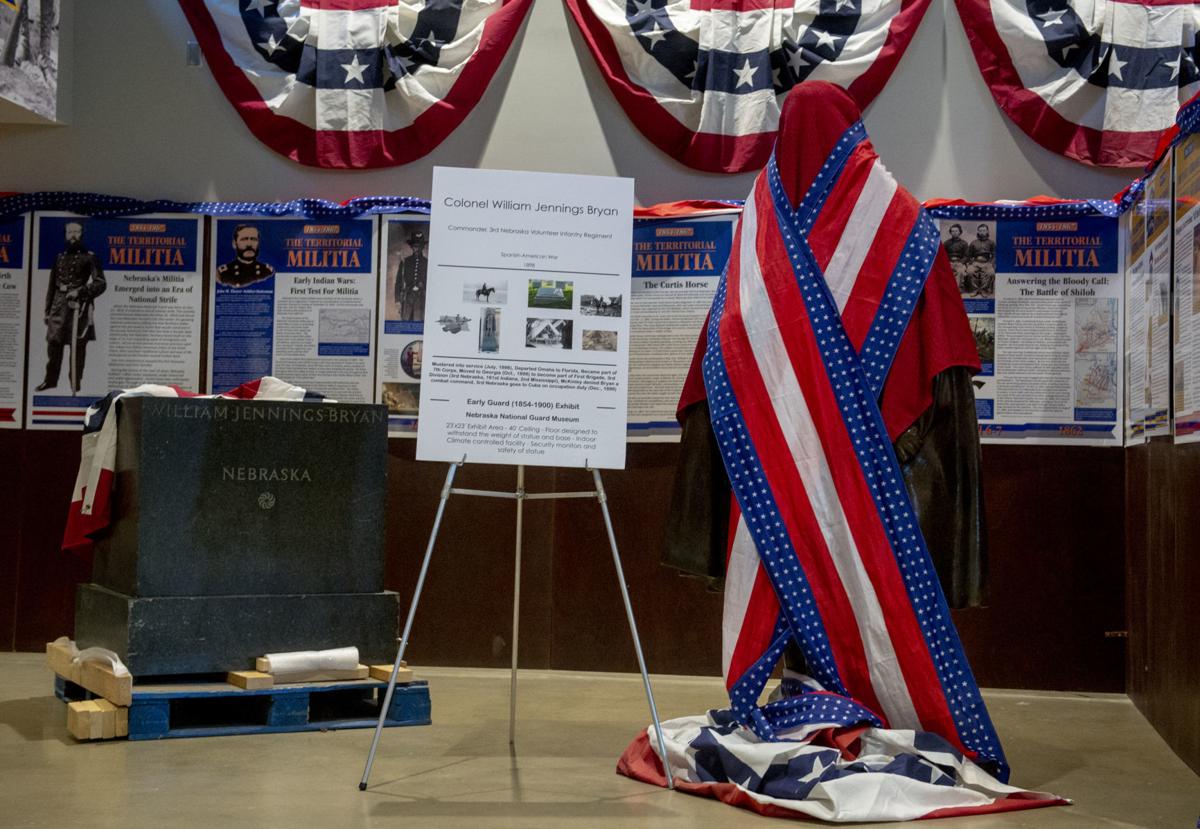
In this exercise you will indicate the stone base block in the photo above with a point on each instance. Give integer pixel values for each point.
(211, 634)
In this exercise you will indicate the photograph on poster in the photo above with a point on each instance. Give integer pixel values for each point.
(547, 333)
(599, 340)
(978, 279)
(75, 285)
(495, 291)
(596, 305)
(489, 331)
(455, 324)
(984, 329)
(29, 55)
(1095, 324)
(344, 325)
(407, 269)
(410, 359)
(548, 293)
(245, 268)
(402, 398)
(956, 250)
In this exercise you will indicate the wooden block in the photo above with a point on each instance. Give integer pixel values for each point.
(108, 719)
(263, 665)
(250, 680)
(58, 659)
(361, 672)
(122, 721)
(384, 672)
(98, 677)
(93, 719)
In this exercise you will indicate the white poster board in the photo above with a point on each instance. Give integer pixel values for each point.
(513, 370)
(14, 299)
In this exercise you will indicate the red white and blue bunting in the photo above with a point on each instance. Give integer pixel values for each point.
(705, 79)
(354, 83)
(1095, 80)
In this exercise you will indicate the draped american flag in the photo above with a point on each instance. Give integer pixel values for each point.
(354, 83)
(1095, 80)
(826, 551)
(705, 79)
(91, 500)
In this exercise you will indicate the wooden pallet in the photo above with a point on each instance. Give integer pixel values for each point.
(209, 709)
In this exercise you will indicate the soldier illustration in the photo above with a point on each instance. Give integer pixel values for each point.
(410, 280)
(245, 268)
(76, 279)
(981, 273)
(957, 251)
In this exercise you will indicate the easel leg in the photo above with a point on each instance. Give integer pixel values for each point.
(637, 642)
(412, 612)
(512, 691)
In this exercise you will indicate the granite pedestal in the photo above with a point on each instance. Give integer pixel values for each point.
(241, 528)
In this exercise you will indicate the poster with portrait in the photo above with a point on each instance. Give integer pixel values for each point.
(677, 263)
(293, 298)
(404, 267)
(114, 303)
(14, 299)
(1043, 299)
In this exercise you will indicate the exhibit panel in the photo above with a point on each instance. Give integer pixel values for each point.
(403, 273)
(1044, 293)
(536, 378)
(1137, 328)
(677, 263)
(1158, 280)
(14, 298)
(293, 298)
(1186, 339)
(118, 304)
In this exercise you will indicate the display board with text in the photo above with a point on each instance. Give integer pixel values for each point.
(115, 303)
(1043, 297)
(14, 301)
(294, 298)
(531, 374)
(677, 263)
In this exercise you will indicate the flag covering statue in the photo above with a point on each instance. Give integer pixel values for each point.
(835, 314)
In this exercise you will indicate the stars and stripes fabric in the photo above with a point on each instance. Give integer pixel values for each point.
(705, 79)
(836, 310)
(1095, 80)
(826, 540)
(354, 83)
(91, 500)
(832, 768)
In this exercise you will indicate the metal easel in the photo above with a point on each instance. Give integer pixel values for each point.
(520, 496)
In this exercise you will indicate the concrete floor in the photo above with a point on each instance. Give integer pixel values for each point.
(1095, 749)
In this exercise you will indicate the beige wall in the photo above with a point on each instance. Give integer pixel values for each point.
(145, 124)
